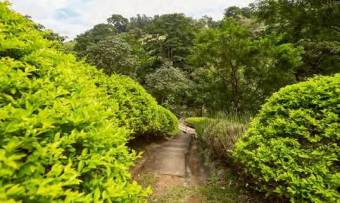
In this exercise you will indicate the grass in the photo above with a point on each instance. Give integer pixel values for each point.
(219, 133)
(146, 179)
(172, 194)
(176, 194)
(224, 186)
(217, 137)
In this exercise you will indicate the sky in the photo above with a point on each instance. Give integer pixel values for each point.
(72, 17)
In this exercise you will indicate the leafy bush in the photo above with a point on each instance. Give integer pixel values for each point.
(168, 121)
(61, 137)
(137, 109)
(193, 121)
(199, 123)
(292, 146)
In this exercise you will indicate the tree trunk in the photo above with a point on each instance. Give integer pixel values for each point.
(235, 89)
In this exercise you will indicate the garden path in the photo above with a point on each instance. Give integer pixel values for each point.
(174, 163)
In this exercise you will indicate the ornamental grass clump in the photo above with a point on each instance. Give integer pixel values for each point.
(219, 135)
(292, 146)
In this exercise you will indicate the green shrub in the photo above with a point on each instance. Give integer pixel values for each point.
(192, 121)
(168, 121)
(138, 110)
(199, 123)
(62, 137)
(292, 146)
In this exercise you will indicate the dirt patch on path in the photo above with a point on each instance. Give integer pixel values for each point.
(173, 169)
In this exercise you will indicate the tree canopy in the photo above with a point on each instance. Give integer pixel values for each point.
(242, 59)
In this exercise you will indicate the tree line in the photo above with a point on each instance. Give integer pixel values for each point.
(206, 65)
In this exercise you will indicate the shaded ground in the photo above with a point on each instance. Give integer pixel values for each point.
(173, 169)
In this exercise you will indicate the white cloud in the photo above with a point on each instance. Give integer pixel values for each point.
(72, 17)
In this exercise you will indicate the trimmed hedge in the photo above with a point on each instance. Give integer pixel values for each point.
(199, 123)
(61, 137)
(292, 147)
(138, 110)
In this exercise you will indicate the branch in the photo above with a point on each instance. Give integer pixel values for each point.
(336, 28)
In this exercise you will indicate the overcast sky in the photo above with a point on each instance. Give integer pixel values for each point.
(72, 17)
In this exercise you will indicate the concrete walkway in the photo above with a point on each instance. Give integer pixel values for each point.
(170, 164)
(171, 157)
(174, 163)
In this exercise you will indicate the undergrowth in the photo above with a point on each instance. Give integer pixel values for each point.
(219, 133)
(216, 139)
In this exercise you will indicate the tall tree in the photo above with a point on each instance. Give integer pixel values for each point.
(178, 32)
(139, 21)
(244, 63)
(313, 24)
(92, 37)
(114, 55)
(169, 85)
(235, 11)
(119, 22)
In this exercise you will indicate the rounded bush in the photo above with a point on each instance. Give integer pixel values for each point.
(168, 121)
(199, 123)
(62, 137)
(292, 146)
(137, 109)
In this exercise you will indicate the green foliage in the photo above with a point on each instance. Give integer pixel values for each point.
(199, 123)
(62, 139)
(193, 121)
(137, 109)
(119, 22)
(169, 85)
(110, 48)
(232, 65)
(219, 135)
(178, 32)
(242, 65)
(291, 148)
(227, 186)
(92, 37)
(114, 55)
(237, 12)
(313, 24)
